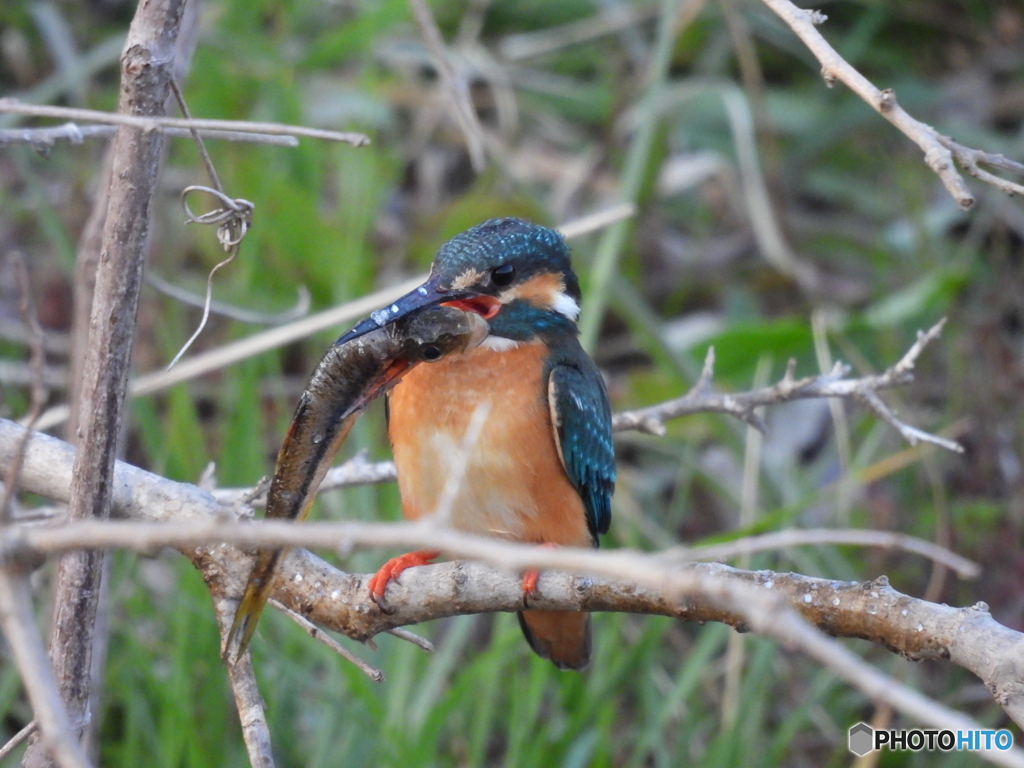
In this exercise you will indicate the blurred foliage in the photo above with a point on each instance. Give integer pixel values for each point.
(854, 199)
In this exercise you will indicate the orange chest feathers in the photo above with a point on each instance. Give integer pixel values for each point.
(513, 482)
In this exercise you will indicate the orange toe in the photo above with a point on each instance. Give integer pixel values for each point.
(530, 582)
(393, 568)
(530, 579)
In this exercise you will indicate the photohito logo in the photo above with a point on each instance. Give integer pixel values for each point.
(863, 739)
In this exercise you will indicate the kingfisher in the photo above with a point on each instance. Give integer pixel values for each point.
(542, 470)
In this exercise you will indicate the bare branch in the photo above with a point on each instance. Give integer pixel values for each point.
(251, 714)
(155, 123)
(795, 537)
(19, 625)
(255, 731)
(971, 159)
(241, 314)
(834, 67)
(412, 637)
(43, 139)
(145, 73)
(316, 633)
(17, 739)
(701, 399)
(621, 580)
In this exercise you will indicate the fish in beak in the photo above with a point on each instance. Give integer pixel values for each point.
(432, 293)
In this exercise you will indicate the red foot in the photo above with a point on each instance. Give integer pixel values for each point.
(392, 569)
(530, 580)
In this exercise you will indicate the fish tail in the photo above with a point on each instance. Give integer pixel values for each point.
(564, 637)
(247, 615)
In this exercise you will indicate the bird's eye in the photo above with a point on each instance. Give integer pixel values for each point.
(430, 354)
(503, 275)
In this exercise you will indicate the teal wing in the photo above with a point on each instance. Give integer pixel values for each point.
(582, 420)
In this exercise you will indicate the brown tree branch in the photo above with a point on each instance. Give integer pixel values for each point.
(135, 164)
(620, 581)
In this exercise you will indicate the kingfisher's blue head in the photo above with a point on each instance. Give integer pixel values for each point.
(517, 275)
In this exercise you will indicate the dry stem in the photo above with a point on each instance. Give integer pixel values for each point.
(154, 123)
(145, 72)
(936, 148)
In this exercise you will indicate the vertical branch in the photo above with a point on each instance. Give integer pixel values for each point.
(255, 730)
(135, 162)
(86, 260)
(19, 626)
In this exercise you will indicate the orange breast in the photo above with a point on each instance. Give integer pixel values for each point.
(514, 483)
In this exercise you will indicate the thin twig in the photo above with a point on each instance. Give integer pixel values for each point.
(316, 633)
(37, 397)
(525, 45)
(18, 738)
(251, 715)
(158, 123)
(203, 154)
(833, 384)
(19, 625)
(454, 84)
(966, 569)
(413, 638)
(834, 67)
(971, 159)
(43, 139)
(241, 314)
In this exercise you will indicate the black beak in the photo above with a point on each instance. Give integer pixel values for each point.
(430, 294)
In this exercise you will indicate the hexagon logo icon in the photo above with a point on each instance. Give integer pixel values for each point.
(862, 739)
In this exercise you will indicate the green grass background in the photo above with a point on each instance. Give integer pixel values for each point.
(870, 213)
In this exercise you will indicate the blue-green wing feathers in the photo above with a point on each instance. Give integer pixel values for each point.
(582, 420)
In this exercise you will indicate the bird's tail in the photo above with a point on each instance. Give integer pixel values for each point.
(561, 636)
(247, 616)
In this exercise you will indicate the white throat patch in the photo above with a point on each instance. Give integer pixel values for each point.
(566, 306)
(499, 344)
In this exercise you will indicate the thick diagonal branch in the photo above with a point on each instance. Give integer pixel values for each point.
(968, 637)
